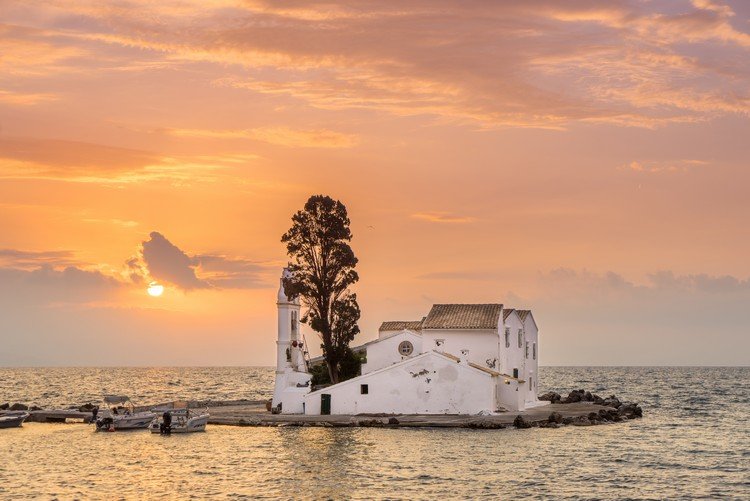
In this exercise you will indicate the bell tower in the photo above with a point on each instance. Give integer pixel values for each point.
(288, 327)
(292, 379)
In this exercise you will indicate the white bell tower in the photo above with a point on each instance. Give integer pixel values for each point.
(292, 379)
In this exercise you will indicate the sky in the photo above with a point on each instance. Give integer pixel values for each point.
(586, 159)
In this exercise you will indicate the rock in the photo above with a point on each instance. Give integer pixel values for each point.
(587, 397)
(393, 420)
(593, 416)
(521, 422)
(568, 420)
(606, 414)
(583, 422)
(4, 406)
(86, 407)
(485, 424)
(547, 424)
(369, 423)
(611, 401)
(573, 397)
(551, 396)
(555, 417)
(630, 410)
(598, 400)
(19, 407)
(35, 408)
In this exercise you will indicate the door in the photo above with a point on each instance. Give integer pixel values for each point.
(325, 403)
(515, 373)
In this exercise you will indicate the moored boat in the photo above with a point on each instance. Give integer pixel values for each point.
(180, 420)
(120, 414)
(12, 419)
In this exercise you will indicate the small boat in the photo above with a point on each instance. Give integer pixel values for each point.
(180, 419)
(12, 419)
(120, 414)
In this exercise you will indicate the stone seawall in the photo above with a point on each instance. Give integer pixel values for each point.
(579, 408)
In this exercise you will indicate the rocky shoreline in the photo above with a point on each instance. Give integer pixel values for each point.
(578, 408)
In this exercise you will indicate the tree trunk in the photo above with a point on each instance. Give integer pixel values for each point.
(333, 372)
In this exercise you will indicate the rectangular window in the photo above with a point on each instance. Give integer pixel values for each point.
(507, 337)
(520, 338)
(533, 350)
(364, 389)
(527, 350)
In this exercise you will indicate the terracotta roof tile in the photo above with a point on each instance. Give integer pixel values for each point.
(399, 325)
(463, 316)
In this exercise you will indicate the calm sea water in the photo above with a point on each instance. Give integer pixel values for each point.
(694, 442)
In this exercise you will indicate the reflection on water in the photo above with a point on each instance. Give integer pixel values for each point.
(693, 442)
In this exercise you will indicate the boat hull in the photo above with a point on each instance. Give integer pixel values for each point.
(138, 421)
(190, 425)
(13, 420)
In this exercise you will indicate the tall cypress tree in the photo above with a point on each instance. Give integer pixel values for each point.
(322, 270)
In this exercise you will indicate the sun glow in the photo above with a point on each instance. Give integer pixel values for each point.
(155, 289)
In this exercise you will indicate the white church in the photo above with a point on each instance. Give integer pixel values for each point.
(459, 359)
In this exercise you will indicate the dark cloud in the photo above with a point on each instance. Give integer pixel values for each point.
(165, 262)
(15, 258)
(230, 273)
(46, 284)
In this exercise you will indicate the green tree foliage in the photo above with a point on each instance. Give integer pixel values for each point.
(322, 270)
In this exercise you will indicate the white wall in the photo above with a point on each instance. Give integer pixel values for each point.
(512, 357)
(481, 343)
(384, 352)
(531, 366)
(427, 384)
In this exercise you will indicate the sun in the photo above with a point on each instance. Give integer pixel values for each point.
(155, 289)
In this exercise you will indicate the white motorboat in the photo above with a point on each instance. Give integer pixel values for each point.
(180, 419)
(120, 414)
(12, 419)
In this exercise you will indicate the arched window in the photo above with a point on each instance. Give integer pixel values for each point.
(520, 338)
(507, 337)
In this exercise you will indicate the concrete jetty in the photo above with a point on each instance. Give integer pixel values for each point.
(558, 412)
(256, 415)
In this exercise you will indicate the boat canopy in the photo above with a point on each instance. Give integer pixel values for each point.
(116, 399)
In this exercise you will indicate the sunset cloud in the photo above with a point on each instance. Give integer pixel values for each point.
(664, 166)
(503, 64)
(280, 136)
(25, 98)
(443, 217)
(166, 262)
(161, 260)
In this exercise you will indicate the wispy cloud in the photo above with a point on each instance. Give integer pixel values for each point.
(663, 165)
(500, 64)
(443, 217)
(25, 98)
(280, 136)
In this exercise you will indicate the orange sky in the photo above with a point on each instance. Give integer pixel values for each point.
(585, 159)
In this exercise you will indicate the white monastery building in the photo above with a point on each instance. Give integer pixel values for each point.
(459, 359)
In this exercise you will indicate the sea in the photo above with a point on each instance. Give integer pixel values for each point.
(692, 443)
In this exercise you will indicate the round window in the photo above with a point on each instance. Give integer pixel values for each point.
(405, 348)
